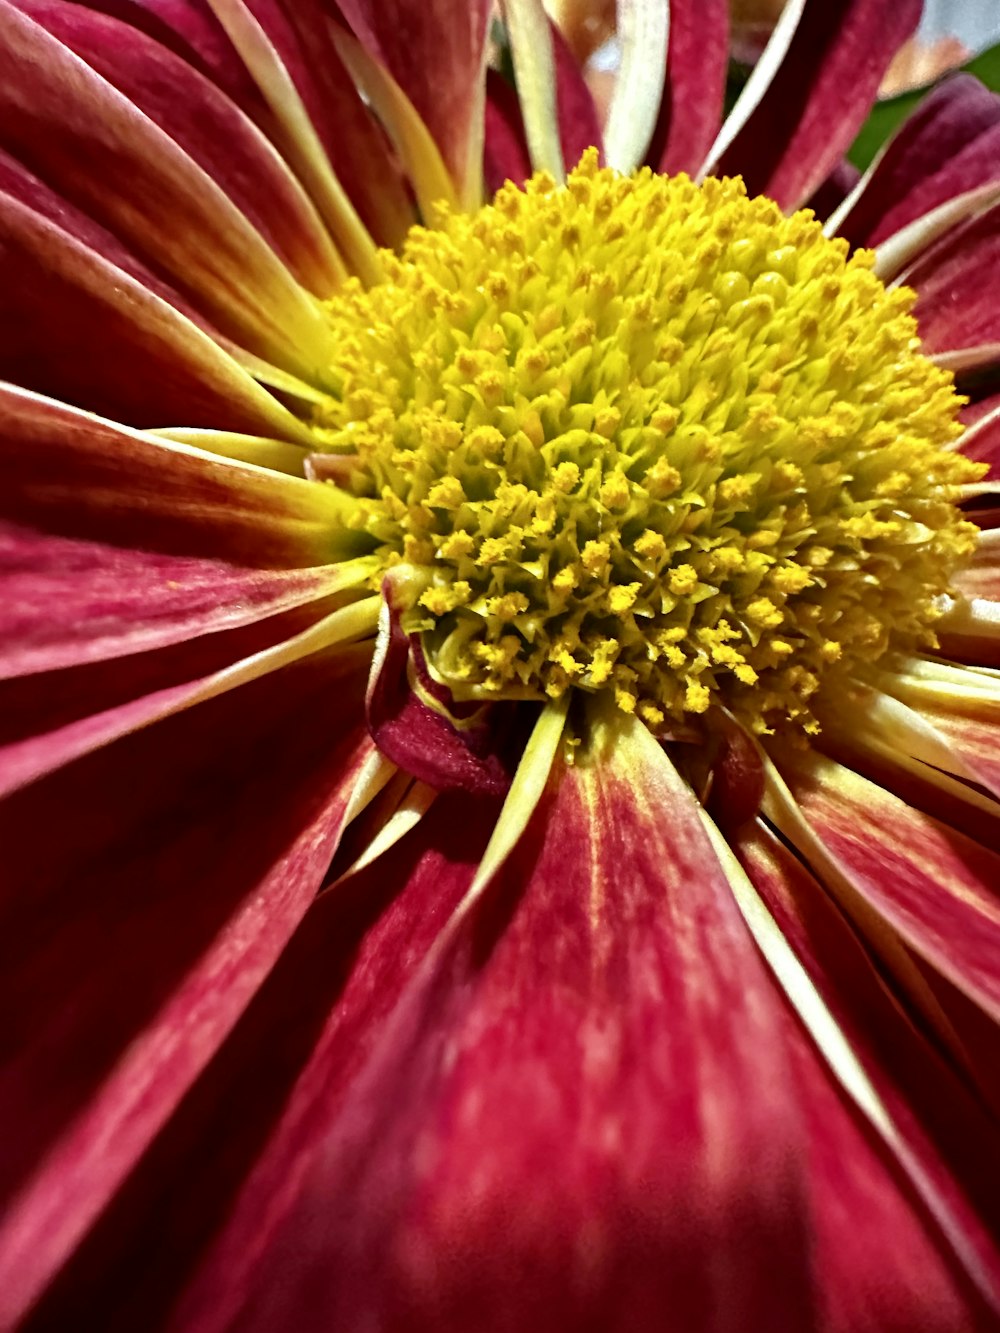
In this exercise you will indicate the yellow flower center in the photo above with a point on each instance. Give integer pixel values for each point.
(650, 437)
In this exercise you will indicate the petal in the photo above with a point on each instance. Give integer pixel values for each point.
(956, 305)
(135, 939)
(946, 147)
(236, 1155)
(55, 742)
(981, 577)
(818, 98)
(472, 752)
(208, 126)
(436, 51)
(691, 109)
(76, 475)
(75, 325)
(584, 1090)
(64, 601)
(73, 128)
(931, 884)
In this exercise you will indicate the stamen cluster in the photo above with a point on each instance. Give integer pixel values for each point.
(646, 436)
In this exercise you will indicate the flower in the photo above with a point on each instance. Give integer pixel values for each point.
(500, 822)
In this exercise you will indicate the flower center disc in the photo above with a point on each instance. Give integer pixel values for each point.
(650, 437)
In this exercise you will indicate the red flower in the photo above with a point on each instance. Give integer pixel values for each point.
(499, 739)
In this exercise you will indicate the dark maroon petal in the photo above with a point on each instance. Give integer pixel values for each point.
(579, 126)
(834, 190)
(957, 303)
(691, 110)
(505, 148)
(819, 97)
(949, 145)
(584, 1088)
(148, 890)
(207, 125)
(479, 755)
(435, 50)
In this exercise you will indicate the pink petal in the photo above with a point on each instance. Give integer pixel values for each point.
(697, 61)
(947, 146)
(931, 884)
(584, 1089)
(819, 97)
(135, 938)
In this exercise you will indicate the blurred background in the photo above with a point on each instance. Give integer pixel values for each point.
(950, 32)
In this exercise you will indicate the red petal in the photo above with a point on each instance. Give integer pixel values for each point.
(422, 740)
(819, 97)
(931, 884)
(948, 146)
(134, 939)
(208, 126)
(584, 1090)
(435, 49)
(956, 305)
(74, 325)
(64, 602)
(76, 475)
(76, 131)
(868, 1253)
(691, 110)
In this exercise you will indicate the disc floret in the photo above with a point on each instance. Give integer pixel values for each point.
(650, 437)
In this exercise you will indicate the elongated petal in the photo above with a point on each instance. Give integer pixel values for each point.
(54, 744)
(169, 916)
(956, 306)
(75, 475)
(75, 325)
(208, 126)
(287, 1066)
(436, 51)
(937, 1133)
(597, 1077)
(981, 577)
(947, 146)
(64, 601)
(819, 97)
(930, 883)
(691, 110)
(74, 128)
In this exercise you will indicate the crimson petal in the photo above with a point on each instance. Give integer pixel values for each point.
(583, 1089)
(134, 939)
(818, 97)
